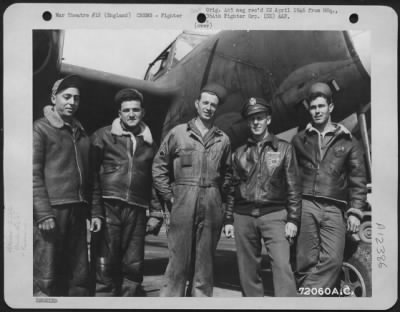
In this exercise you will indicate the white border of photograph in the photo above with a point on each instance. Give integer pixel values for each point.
(21, 19)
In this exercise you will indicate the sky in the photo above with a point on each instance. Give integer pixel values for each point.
(125, 52)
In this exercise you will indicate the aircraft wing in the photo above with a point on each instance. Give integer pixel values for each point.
(276, 65)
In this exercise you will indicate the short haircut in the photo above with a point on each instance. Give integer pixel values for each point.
(128, 95)
(216, 89)
(209, 92)
(315, 95)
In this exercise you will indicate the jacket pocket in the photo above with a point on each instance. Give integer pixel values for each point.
(186, 158)
(109, 168)
(333, 171)
(303, 163)
(275, 188)
(277, 182)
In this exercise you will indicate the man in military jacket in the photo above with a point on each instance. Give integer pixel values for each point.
(334, 191)
(190, 171)
(122, 155)
(61, 196)
(267, 204)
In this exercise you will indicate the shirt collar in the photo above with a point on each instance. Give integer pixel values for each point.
(145, 132)
(269, 139)
(192, 126)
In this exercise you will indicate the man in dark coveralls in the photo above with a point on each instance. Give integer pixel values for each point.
(267, 204)
(122, 155)
(191, 172)
(334, 192)
(61, 193)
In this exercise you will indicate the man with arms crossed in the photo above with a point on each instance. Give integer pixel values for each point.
(191, 168)
(61, 192)
(267, 204)
(122, 154)
(334, 192)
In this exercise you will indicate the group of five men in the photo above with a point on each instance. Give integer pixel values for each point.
(268, 189)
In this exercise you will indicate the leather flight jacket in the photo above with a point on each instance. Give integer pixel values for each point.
(265, 179)
(339, 175)
(61, 173)
(122, 166)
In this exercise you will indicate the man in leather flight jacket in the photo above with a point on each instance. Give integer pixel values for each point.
(191, 171)
(122, 154)
(61, 196)
(334, 189)
(267, 204)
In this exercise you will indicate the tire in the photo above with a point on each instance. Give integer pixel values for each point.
(356, 273)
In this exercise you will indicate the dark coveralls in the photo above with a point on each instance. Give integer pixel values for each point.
(123, 187)
(267, 196)
(195, 171)
(333, 186)
(61, 191)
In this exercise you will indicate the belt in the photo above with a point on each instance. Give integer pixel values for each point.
(199, 183)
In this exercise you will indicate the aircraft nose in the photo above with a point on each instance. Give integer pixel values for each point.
(362, 44)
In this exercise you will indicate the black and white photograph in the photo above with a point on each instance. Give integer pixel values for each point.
(202, 153)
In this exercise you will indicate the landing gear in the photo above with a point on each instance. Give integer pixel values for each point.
(355, 278)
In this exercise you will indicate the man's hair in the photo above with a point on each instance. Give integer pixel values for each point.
(128, 95)
(315, 95)
(215, 89)
(209, 92)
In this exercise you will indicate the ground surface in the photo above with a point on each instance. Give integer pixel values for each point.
(226, 282)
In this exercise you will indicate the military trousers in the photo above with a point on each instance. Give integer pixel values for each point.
(60, 257)
(119, 250)
(195, 228)
(320, 244)
(249, 231)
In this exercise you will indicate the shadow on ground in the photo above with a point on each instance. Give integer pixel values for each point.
(226, 275)
(155, 266)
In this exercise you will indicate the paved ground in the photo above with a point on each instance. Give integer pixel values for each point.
(226, 275)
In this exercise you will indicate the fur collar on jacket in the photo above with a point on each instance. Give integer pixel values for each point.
(55, 119)
(117, 129)
(340, 129)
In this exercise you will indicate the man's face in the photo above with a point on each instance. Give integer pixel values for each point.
(206, 106)
(258, 123)
(66, 102)
(320, 111)
(131, 113)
